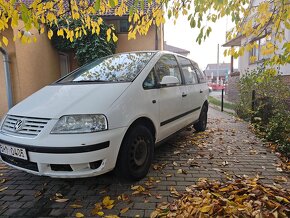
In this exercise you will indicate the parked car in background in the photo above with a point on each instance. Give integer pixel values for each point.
(106, 115)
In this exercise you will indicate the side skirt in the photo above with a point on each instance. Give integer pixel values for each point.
(157, 144)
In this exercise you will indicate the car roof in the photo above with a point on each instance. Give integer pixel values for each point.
(160, 52)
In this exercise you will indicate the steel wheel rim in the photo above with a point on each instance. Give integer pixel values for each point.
(139, 152)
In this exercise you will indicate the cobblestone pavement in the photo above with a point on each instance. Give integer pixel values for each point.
(228, 146)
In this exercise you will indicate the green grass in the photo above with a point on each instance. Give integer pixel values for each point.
(217, 102)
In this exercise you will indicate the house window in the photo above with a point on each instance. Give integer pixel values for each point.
(255, 54)
(64, 63)
(124, 26)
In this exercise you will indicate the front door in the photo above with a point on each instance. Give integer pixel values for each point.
(170, 101)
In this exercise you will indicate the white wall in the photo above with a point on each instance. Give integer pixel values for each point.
(244, 60)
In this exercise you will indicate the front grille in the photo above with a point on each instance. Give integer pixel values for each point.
(20, 163)
(31, 127)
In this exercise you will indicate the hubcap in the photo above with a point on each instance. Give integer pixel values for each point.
(139, 152)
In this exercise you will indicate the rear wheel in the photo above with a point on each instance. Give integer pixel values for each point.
(202, 121)
(136, 153)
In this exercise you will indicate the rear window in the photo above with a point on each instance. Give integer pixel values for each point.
(116, 68)
(201, 76)
(188, 71)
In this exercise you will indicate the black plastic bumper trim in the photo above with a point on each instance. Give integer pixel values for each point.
(60, 150)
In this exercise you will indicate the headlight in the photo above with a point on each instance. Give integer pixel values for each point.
(83, 123)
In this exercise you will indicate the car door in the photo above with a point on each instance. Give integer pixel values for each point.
(190, 93)
(202, 85)
(170, 99)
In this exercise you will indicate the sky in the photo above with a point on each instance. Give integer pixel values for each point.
(183, 36)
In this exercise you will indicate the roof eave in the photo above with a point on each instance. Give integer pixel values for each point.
(234, 42)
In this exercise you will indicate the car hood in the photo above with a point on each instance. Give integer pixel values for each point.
(57, 100)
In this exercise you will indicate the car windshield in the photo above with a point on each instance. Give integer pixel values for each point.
(116, 68)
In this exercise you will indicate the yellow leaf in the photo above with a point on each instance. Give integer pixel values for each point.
(79, 215)
(42, 30)
(124, 210)
(100, 213)
(115, 38)
(206, 208)
(108, 203)
(75, 206)
(60, 32)
(5, 40)
(109, 34)
(279, 198)
(50, 34)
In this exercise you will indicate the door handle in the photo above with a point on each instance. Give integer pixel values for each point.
(184, 95)
(200, 91)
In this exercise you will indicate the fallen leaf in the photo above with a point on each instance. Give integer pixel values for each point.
(158, 196)
(280, 179)
(206, 208)
(79, 215)
(225, 163)
(124, 210)
(100, 213)
(108, 203)
(61, 200)
(181, 171)
(75, 206)
(3, 189)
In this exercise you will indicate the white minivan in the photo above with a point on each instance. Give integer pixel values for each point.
(108, 114)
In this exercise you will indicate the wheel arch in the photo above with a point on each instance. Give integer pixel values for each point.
(145, 121)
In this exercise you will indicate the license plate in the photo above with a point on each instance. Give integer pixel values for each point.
(13, 151)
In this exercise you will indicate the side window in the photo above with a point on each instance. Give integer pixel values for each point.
(201, 76)
(167, 66)
(188, 71)
(150, 81)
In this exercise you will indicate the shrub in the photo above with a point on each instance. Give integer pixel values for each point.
(270, 115)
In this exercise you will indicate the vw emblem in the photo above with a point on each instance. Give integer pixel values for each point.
(18, 125)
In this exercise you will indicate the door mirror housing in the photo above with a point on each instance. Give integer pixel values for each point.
(169, 81)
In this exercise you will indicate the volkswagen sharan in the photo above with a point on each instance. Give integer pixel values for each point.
(108, 114)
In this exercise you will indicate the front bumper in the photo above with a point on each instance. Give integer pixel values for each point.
(73, 156)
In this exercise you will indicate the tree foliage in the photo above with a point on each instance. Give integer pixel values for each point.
(269, 18)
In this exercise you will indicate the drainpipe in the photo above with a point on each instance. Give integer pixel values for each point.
(7, 76)
(156, 38)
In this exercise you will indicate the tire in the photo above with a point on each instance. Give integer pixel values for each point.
(200, 126)
(136, 154)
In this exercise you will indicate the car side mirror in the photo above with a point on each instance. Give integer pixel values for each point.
(169, 81)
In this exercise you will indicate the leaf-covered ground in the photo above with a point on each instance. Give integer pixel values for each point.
(223, 172)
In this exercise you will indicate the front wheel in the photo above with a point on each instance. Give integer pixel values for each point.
(200, 126)
(136, 153)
